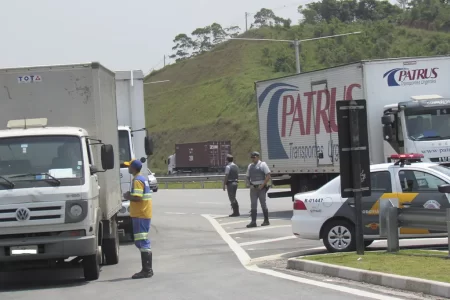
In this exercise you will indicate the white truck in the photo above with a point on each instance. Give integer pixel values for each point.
(408, 111)
(59, 173)
(134, 141)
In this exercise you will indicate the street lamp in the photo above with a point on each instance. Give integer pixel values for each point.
(297, 44)
(152, 82)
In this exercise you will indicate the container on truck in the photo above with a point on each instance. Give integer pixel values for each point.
(408, 109)
(59, 167)
(134, 141)
(197, 157)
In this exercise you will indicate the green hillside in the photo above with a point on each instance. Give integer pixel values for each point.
(211, 95)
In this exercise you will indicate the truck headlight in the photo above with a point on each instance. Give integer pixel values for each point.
(76, 211)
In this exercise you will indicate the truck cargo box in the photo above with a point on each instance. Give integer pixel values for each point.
(81, 95)
(210, 154)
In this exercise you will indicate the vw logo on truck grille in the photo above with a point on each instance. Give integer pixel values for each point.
(22, 214)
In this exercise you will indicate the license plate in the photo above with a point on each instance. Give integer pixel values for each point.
(24, 250)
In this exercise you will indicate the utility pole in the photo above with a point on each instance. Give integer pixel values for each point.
(246, 18)
(164, 60)
(297, 44)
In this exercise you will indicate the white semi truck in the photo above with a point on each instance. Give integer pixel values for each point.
(59, 167)
(134, 141)
(408, 110)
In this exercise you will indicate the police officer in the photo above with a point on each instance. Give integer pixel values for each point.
(141, 214)
(230, 183)
(258, 175)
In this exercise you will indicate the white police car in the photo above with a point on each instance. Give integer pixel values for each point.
(324, 214)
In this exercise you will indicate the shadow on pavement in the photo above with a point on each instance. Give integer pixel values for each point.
(41, 279)
(284, 214)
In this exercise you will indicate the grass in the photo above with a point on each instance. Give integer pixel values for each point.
(424, 264)
(198, 185)
(212, 97)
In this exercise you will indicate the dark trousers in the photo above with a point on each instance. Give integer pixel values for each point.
(232, 189)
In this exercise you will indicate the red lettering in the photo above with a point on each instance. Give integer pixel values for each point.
(298, 117)
(285, 113)
(333, 123)
(310, 96)
(422, 74)
(349, 91)
(433, 71)
(322, 112)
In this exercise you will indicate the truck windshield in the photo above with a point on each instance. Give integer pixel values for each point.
(124, 146)
(428, 124)
(41, 157)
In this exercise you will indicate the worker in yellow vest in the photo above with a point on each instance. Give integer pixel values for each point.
(141, 214)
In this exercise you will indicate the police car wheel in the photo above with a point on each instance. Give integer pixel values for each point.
(339, 236)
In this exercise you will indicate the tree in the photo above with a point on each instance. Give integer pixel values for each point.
(264, 17)
(203, 41)
(218, 33)
(183, 47)
(233, 31)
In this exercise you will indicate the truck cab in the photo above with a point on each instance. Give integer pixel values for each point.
(418, 126)
(171, 164)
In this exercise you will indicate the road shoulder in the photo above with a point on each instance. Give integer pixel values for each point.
(412, 284)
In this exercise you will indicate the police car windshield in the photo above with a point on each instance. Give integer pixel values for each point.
(428, 124)
(124, 146)
(442, 169)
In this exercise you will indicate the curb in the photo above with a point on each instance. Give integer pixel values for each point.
(434, 288)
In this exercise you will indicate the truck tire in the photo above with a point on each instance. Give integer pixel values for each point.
(110, 249)
(91, 265)
(339, 236)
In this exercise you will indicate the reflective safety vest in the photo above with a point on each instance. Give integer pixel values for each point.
(141, 209)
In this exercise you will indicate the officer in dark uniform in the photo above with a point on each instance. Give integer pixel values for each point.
(230, 183)
(258, 175)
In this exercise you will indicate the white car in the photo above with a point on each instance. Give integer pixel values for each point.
(152, 181)
(324, 214)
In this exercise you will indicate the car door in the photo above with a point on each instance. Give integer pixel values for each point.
(381, 182)
(420, 188)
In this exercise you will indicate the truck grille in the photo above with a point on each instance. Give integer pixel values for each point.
(29, 214)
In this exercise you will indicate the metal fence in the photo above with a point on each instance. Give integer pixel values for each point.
(392, 217)
(165, 181)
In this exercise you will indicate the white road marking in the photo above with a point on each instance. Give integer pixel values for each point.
(216, 203)
(175, 213)
(245, 259)
(290, 237)
(258, 229)
(235, 222)
(247, 221)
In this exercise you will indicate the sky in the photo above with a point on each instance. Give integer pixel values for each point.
(122, 35)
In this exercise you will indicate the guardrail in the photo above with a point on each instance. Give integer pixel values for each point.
(392, 217)
(187, 179)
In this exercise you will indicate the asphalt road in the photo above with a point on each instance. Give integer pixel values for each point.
(200, 254)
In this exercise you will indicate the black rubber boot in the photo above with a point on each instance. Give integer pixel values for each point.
(253, 222)
(266, 218)
(147, 271)
(235, 207)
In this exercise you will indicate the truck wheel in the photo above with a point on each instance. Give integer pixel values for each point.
(91, 265)
(339, 236)
(155, 190)
(111, 250)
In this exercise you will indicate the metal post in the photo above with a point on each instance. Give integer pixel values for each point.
(392, 230)
(356, 171)
(297, 55)
(448, 229)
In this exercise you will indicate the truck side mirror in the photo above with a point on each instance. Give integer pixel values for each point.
(148, 142)
(107, 156)
(387, 132)
(387, 119)
(445, 188)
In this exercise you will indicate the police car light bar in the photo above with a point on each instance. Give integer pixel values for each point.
(407, 156)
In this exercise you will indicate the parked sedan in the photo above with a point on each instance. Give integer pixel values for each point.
(324, 214)
(152, 181)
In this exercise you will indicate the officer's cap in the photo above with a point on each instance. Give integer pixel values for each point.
(254, 153)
